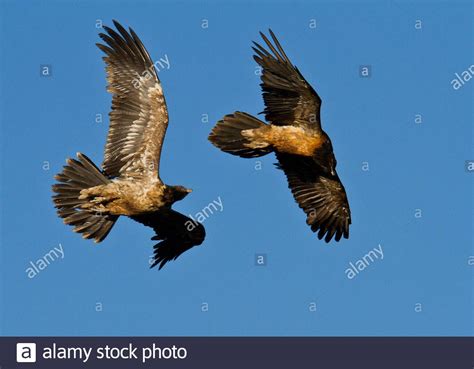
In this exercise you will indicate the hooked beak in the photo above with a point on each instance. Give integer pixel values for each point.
(188, 190)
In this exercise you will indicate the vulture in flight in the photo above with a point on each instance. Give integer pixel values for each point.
(294, 133)
(91, 199)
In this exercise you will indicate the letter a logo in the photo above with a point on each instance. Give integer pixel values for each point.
(26, 352)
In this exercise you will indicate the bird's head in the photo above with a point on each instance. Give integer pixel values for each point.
(176, 193)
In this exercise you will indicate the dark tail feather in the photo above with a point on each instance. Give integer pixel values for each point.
(226, 135)
(76, 176)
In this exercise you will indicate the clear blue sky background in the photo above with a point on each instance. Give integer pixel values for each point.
(411, 166)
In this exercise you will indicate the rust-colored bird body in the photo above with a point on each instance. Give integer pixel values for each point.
(285, 139)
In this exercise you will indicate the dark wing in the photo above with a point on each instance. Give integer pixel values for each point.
(177, 233)
(322, 198)
(139, 117)
(289, 99)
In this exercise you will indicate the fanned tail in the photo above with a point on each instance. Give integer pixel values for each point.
(227, 136)
(76, 176)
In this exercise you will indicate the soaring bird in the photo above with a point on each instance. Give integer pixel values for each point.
(294, 133)
(91, 199)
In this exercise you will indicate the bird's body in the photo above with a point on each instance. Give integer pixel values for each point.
(126, 197)
(129, 184)
(285, 139)
(293, 132)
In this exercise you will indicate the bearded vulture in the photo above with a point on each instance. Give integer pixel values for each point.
(90, 198)
(294, 133)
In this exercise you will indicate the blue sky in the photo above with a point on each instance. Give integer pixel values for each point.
(423, 284)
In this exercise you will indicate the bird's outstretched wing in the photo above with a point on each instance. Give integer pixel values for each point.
(323, 198)
(177, 233)
(139, 116)
(289, 98)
